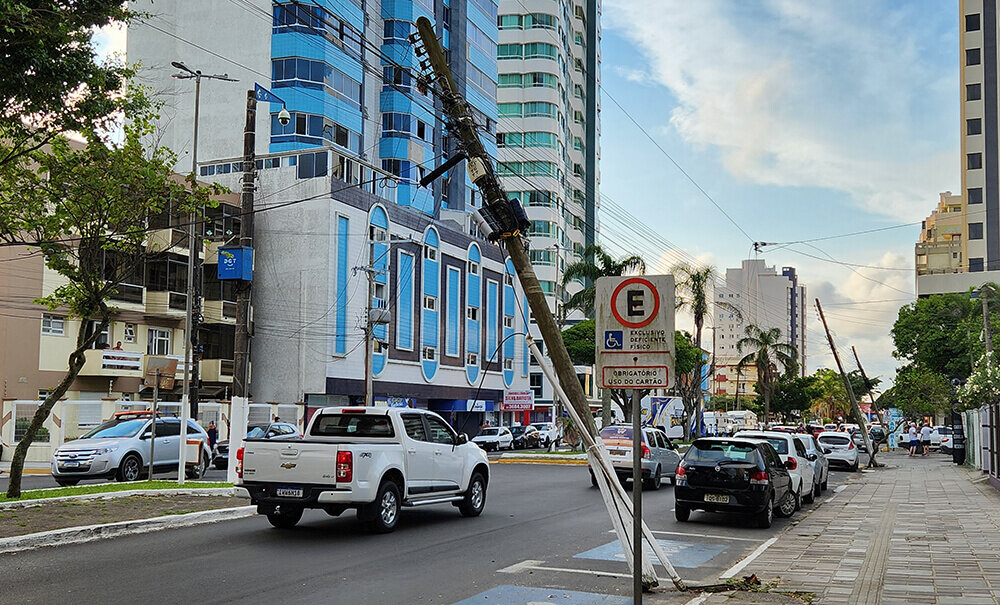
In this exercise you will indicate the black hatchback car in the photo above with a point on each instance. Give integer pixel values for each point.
(729, 475)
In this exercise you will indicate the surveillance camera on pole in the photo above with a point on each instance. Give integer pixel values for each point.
(284, 117)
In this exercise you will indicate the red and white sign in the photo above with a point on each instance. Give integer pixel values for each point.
(516, 401)
(635, 331)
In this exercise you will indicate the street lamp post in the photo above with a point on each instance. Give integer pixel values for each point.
(192, 313)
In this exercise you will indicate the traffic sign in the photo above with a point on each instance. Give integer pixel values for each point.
(635, 331)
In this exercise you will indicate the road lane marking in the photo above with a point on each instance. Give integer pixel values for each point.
(698, 600)
(679, 533)
(735, 569)
(530, 565)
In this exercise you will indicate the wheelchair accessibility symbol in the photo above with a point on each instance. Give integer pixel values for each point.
(613, 339)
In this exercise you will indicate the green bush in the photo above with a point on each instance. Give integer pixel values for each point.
(21, 427)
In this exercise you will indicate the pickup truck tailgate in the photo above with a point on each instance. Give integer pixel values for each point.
(292, 462)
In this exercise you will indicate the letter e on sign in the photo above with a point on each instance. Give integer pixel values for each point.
(635, 302)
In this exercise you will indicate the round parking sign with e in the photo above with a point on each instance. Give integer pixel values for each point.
(635, 302)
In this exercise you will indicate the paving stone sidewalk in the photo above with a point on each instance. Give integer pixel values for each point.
(920, 531)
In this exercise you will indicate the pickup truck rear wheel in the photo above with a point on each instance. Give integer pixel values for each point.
(475, 497)
(285, 516)
(380, 516)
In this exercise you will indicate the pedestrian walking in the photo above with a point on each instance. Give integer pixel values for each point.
(925, 438)
(914, 439)
(213, 435)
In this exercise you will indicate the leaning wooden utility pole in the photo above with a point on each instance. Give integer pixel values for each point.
(871, 394)
(502, 220)
(850, 391)
(241, 357)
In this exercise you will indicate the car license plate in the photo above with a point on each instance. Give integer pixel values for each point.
(717, 498)
(71, 464)
(288, 492)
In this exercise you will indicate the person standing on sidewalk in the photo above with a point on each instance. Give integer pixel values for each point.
(914, 440)
(925, 438)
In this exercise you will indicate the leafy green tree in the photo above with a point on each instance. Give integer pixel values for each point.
(602, 265)
(793, 395)
(983, 385)
(52, 80)
(86, 208)
(918, 391)
(766, 353)
(938, 333)
(580, 343)
(687, 356)
(598, 263)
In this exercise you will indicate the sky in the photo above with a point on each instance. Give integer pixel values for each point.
(779, 121)
(801, 120)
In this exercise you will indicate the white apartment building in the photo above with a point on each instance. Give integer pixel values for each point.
(766, 298)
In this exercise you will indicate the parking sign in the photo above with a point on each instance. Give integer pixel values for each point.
(635, 328)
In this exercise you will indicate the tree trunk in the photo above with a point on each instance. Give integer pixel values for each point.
(699, 404)
(605, 407)
(76, 360)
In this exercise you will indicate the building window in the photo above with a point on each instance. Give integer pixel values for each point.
(429, 353)
(508, 321)
(975, 161)
(508, 364)
(430, 303)
(129, 333)
(473, 267)
(53, 325)
(159, 342)
(975, 231)
(975, 265)
(974, 126)
(973, 92)
(430, 253)
(972, 23)
(472, 359)
(975, 195)
(972, 56)
(473, 313)
(535, 381)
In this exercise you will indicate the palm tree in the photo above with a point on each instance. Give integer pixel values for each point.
(767, 351)
(694, 287)
(598, 263)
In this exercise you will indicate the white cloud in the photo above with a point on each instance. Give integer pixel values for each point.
(831, 95)
(109, 42)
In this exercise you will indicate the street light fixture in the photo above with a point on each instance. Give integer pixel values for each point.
(190, 327)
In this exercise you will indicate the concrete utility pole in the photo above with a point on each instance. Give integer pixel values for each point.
(502, 220)
(987, 328)
(871, 394)
(241, 355)
(850, 391)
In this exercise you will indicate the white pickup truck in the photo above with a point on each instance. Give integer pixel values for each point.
(373, 459)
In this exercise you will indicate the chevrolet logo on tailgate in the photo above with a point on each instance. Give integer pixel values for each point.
(288, 465)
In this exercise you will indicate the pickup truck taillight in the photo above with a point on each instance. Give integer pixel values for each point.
(239, 463)
(345, 467)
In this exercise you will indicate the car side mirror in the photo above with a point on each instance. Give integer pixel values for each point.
(462, 439)
(147, 435)
(812, 457)
(827, 450)
(790, 464)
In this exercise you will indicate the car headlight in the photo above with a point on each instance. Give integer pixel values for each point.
(106, 449)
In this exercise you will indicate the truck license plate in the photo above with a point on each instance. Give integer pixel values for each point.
(718, 498)
(288, 492)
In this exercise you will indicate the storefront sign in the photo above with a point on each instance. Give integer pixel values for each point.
(516, 401)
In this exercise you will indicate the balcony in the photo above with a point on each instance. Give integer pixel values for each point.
(164, 303)
(939, 257)
(219, 311)
(112, 363)
(169, 239)
(217, 370)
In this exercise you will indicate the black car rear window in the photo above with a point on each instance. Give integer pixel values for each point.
(352, 425)
(834, 440)
(714, 451)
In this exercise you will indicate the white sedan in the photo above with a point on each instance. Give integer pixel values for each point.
(494, 438)
(842, 451)
(798, 462)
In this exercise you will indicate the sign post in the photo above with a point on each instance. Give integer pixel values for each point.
(635, 350)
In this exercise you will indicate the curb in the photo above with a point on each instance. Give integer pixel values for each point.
(512, 460)
(90, 533)
(210, 491)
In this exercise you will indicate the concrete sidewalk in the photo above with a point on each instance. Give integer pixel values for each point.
(920, 530)
(30, 468)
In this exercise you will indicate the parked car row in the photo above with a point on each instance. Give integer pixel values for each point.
(529, 436)
(760, 473)
(659, 456)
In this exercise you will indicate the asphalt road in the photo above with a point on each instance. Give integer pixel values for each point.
(544, 514)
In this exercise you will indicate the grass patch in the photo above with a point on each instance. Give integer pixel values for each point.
(556, 453)
(104, 488)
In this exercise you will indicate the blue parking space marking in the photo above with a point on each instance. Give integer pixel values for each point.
(681, 554)
(524, 595)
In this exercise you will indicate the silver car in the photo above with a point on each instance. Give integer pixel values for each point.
(119, 449)
(659, 456)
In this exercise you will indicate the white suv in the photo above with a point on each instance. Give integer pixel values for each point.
(797, 461)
